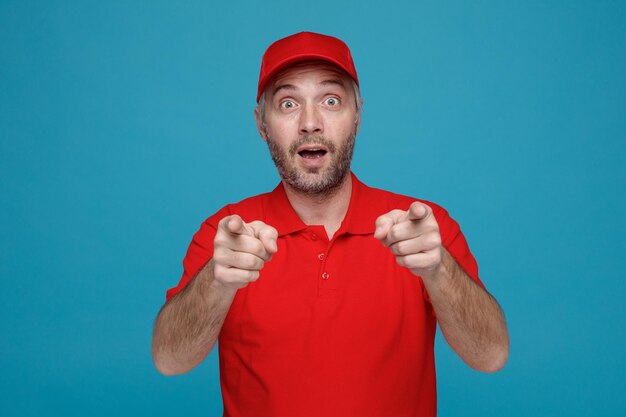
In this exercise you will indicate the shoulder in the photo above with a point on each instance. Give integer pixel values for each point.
(387, 200)
(451, 236)
(375, 202)
(250, 208)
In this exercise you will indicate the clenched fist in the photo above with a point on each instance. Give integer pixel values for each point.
(413, 236)
(241, 250)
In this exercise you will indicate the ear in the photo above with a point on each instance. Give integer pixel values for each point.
(259, 124)
(357, 121)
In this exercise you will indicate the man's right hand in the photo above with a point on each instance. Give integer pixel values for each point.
(241, 250)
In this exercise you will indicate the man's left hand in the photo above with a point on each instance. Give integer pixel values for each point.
(413, 237)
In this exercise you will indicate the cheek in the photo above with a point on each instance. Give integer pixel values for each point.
(281, 130)
(345, 125)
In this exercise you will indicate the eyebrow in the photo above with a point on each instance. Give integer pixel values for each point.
(283, 87)
(331, 81)
(334, 81)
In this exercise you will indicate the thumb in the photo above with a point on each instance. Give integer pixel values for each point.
(267, 235)
(383, 224)
(386, 221)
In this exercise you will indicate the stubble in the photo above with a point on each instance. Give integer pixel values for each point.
(311, 181)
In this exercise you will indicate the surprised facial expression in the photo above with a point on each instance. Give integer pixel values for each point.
(310, 125)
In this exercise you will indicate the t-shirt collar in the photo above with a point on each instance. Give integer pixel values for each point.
(360, 217)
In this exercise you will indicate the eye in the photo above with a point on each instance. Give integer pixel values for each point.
(287, 104)
(332, 101)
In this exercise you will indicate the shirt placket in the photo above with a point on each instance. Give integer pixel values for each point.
(326, 279)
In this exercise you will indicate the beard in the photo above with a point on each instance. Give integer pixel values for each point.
(311, 180)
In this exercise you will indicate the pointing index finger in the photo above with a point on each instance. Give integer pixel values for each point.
(417, 211)
(235, 225)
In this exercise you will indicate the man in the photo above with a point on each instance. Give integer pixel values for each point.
(325, 293)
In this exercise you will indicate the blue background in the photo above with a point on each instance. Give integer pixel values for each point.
(124, 124)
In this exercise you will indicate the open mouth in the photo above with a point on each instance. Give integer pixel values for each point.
(312, 153)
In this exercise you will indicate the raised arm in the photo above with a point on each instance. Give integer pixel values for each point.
(188, 325)
(470, 318)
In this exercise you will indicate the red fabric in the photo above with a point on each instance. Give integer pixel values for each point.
(304, 46)
(331, 328)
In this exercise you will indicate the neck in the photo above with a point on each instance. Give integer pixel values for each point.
(326, 209)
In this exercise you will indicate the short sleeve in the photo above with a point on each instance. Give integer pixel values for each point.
(455, 243)
(199, 252)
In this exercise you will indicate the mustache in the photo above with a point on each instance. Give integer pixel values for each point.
(311, 140)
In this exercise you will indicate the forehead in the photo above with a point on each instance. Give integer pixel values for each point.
(319, 71)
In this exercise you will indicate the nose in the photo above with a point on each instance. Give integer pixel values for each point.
(310, 120)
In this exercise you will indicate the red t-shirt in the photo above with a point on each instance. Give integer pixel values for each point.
(331, 328)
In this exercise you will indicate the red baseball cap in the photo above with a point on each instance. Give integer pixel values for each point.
(304, 46)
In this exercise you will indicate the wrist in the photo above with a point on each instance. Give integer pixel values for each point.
(206, 283)
(441, 273)
(223, 288)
